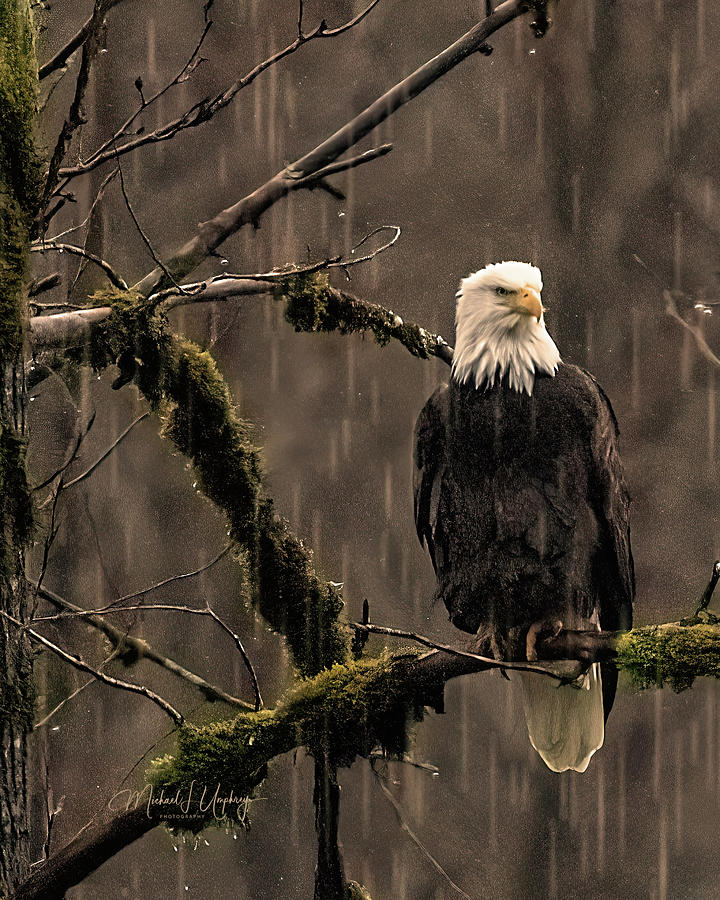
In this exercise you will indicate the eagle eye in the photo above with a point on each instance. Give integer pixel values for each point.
(501, 291)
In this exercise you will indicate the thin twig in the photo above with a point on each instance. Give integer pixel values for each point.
(49, 541)
(98, 197)
(204, 110)
(243, 653)
(248, 210)
(172, 579)
(344, 165)
(45, 246)
(202, 291)
(62, 703)
(671, 310)
(411, 834)
(107, 452)
(146, 240)
(82, 666)
(81, 435)
(178, 79)
(90, 614)
(127, 644)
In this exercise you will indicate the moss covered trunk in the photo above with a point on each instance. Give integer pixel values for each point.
(19, 183)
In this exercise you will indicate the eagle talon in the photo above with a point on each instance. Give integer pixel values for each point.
(547, 628)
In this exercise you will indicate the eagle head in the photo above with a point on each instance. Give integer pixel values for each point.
(500, 328)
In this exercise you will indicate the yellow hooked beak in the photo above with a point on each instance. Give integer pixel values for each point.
(527, 301)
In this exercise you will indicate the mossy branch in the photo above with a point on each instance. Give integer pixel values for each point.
(183, 384)
(313, 306)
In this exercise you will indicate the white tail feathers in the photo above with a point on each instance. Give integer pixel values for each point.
(565, 722)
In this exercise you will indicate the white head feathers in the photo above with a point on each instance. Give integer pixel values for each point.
(500, 328)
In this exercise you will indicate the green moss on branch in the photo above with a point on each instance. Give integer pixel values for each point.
(20, 172)
(313, 306)
(346, 711)
(673, 654)
(183, 382)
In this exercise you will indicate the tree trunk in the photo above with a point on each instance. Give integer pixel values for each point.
(329, 876)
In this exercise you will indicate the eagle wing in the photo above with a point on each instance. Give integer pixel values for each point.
(611, 501)
(429, 458)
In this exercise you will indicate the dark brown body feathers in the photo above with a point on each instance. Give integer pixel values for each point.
(522, 503)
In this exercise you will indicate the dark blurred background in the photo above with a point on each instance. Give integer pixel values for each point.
(579, 153)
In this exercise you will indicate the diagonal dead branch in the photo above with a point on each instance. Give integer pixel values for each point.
(204, 110)
(146, 240)
(172, 579)
(81, 435)
(249, 209)
(77, 40)
(107, 452)
(45, 246)
(62, 703)
(76, 116)
(243, 653)
(703, 346)
(411, 834)
(130, 647)
(80, 664)
(76, 612)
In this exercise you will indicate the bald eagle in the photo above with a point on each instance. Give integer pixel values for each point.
(521, 501)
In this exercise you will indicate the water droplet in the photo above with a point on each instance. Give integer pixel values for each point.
(175, 848)
(223, 262)
(340, 216)
(531, 52)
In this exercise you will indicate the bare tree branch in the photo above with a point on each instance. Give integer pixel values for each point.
(135, 647)
(45, 246)
(82, 666)
(44, 284)
(181, 76)
(173, 579)
(243, 653)
(141, 231)
(62, 703)
(250, 208)
(703, 346)
(203, 111)
(76, 612)
(76, 117)
(221, 286)
(343, 166)
(107, 453)
(76, 41)
(82, 433)
(553, 670)
(411, 834)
